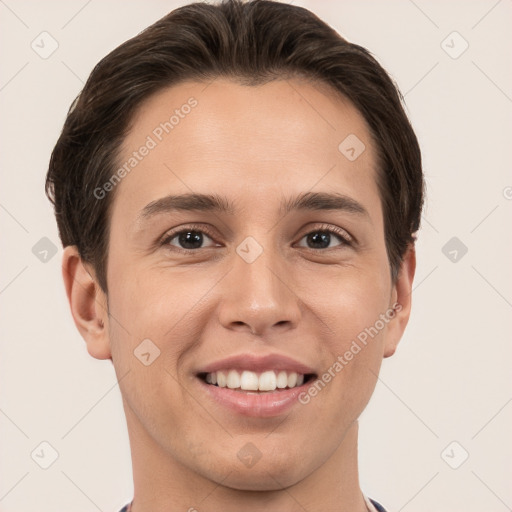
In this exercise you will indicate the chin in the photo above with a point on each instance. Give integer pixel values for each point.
(265, 473)
(264, 479)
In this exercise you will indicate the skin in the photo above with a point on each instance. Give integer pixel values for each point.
(255, 146)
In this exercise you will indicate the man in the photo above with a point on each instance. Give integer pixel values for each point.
(237, 190)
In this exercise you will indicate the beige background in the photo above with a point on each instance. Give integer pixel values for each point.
(449, 380)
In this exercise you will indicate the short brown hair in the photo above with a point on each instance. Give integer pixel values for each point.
(253, 43)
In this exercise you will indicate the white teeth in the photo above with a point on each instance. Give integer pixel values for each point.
(251, 381)
(233, 381)
(282, 380)
(292, 379)
(221, 379)
(267, 381)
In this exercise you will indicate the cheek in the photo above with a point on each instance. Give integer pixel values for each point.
(350, 301)
(164, 305)
(353, 313)
(144, 298)
(150, 330)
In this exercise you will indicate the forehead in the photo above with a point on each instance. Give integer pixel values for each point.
(222, 136)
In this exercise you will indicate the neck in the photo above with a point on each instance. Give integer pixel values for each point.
(162, 483)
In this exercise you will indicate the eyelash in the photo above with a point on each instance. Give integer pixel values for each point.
(345, 238)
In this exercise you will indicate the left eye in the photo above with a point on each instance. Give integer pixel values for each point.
(324, 236)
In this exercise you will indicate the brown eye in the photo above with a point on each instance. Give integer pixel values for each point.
(322, 238)
(188, 239)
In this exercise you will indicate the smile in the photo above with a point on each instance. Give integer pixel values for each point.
(236, 391)
(246, 380)
(255, 385)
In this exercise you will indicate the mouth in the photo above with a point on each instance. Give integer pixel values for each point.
(246, 381)
(255, 385)
(260, 395)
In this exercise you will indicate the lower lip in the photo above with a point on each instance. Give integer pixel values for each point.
(251, 403)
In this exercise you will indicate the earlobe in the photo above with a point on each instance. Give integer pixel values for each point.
(87, 302)
(401, 302)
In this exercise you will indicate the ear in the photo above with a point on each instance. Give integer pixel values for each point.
(88, 303)
(401, 302)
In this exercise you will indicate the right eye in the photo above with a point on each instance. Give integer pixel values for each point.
(190, 238)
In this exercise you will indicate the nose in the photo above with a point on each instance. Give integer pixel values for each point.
(258, 297)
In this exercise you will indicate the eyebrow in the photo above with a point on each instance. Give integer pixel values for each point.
(313, 201)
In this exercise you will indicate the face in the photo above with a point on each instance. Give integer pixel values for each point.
(281, 270)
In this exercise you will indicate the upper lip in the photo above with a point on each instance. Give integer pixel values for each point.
(257, 363)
